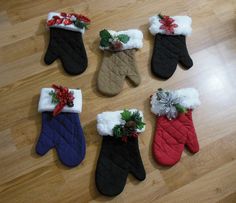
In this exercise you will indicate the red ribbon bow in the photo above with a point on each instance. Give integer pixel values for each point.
(64, 96)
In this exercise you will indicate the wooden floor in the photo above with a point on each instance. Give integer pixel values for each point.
(208, 176)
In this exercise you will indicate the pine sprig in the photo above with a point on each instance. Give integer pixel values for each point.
(133, 122)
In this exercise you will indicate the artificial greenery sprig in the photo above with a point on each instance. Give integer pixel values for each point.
(113, 42)
(133, 122)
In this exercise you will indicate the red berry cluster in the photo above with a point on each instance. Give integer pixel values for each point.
(167, 24)
(64, 96)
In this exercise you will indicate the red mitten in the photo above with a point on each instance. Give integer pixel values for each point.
(174, 126)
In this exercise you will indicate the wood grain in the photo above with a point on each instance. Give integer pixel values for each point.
(208, 176)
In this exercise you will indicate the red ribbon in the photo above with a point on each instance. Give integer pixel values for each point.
(64, 96)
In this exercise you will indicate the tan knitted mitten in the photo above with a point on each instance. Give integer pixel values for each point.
(118, 60)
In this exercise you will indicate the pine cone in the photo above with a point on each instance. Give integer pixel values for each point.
(130, 124)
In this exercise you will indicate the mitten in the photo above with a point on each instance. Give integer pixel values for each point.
(61, 128)
(170, 44)
(66, 41)
(174, 124)
(118, 60)
(119, 153)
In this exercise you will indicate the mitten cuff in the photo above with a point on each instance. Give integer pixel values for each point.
(68, 21)
(169, 103)
(122, 40)
(170, 25)
(106, 121)
(46, 104)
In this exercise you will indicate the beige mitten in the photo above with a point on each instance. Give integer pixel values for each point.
(118, 60)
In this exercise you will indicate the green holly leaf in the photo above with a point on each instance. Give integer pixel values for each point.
(104, 42)
(104, 34)
(126, 115)
(123, 38)
(180, 108)
(117, 131)
(160, 16)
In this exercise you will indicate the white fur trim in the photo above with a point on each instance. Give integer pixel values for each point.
(106, 121)
(71, 27)
(189, 99)
(183, 22)
(135, 41)
(45, 103)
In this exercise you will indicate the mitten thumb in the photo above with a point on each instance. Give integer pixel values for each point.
(44, 144)
(135, 78)
(50, 55)
(192, 142)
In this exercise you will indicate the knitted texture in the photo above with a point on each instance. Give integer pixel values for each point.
(171, 136)
(64, 133)
(68, 46)
(167, 52)
(116, 66)
(115, 161)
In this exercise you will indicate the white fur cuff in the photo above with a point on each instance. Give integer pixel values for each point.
(188, 97)
(106, 121)
(62, 25)
(183, 25)
(135, 39)
(45, 101)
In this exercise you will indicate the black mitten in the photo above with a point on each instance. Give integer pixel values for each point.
(170, 44)
(66, 41)
(119, 153)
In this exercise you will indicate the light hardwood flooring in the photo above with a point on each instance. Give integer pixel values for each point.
(208, 176)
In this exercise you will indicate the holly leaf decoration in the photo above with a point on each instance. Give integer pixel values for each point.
(138, 120)
(105, 36)
(104, 43)
(180, 108)
(160, 16)
(118, 131)
(126, 115)
(123, 38)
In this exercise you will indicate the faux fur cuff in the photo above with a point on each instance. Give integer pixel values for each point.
(45, 101)
(106, 121)
(135, 39)
(63, 21)
(188, 98)
(183, 25)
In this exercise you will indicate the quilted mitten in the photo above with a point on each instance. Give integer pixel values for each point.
(61, 128)
(118, 60)
(66, 41)
(119, 153)
(170, 44)
(174, 124)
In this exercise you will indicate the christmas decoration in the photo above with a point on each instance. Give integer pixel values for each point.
(78, 20)
(170, 44)
(62, 132)
(61, 96)
(119, 156)
(133, 121)
(66, 41)
(167, 24)
(114, 42)
(118, 60)
(174, 125)
(168, 103)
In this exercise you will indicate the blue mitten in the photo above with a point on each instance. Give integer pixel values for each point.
(61, 130)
